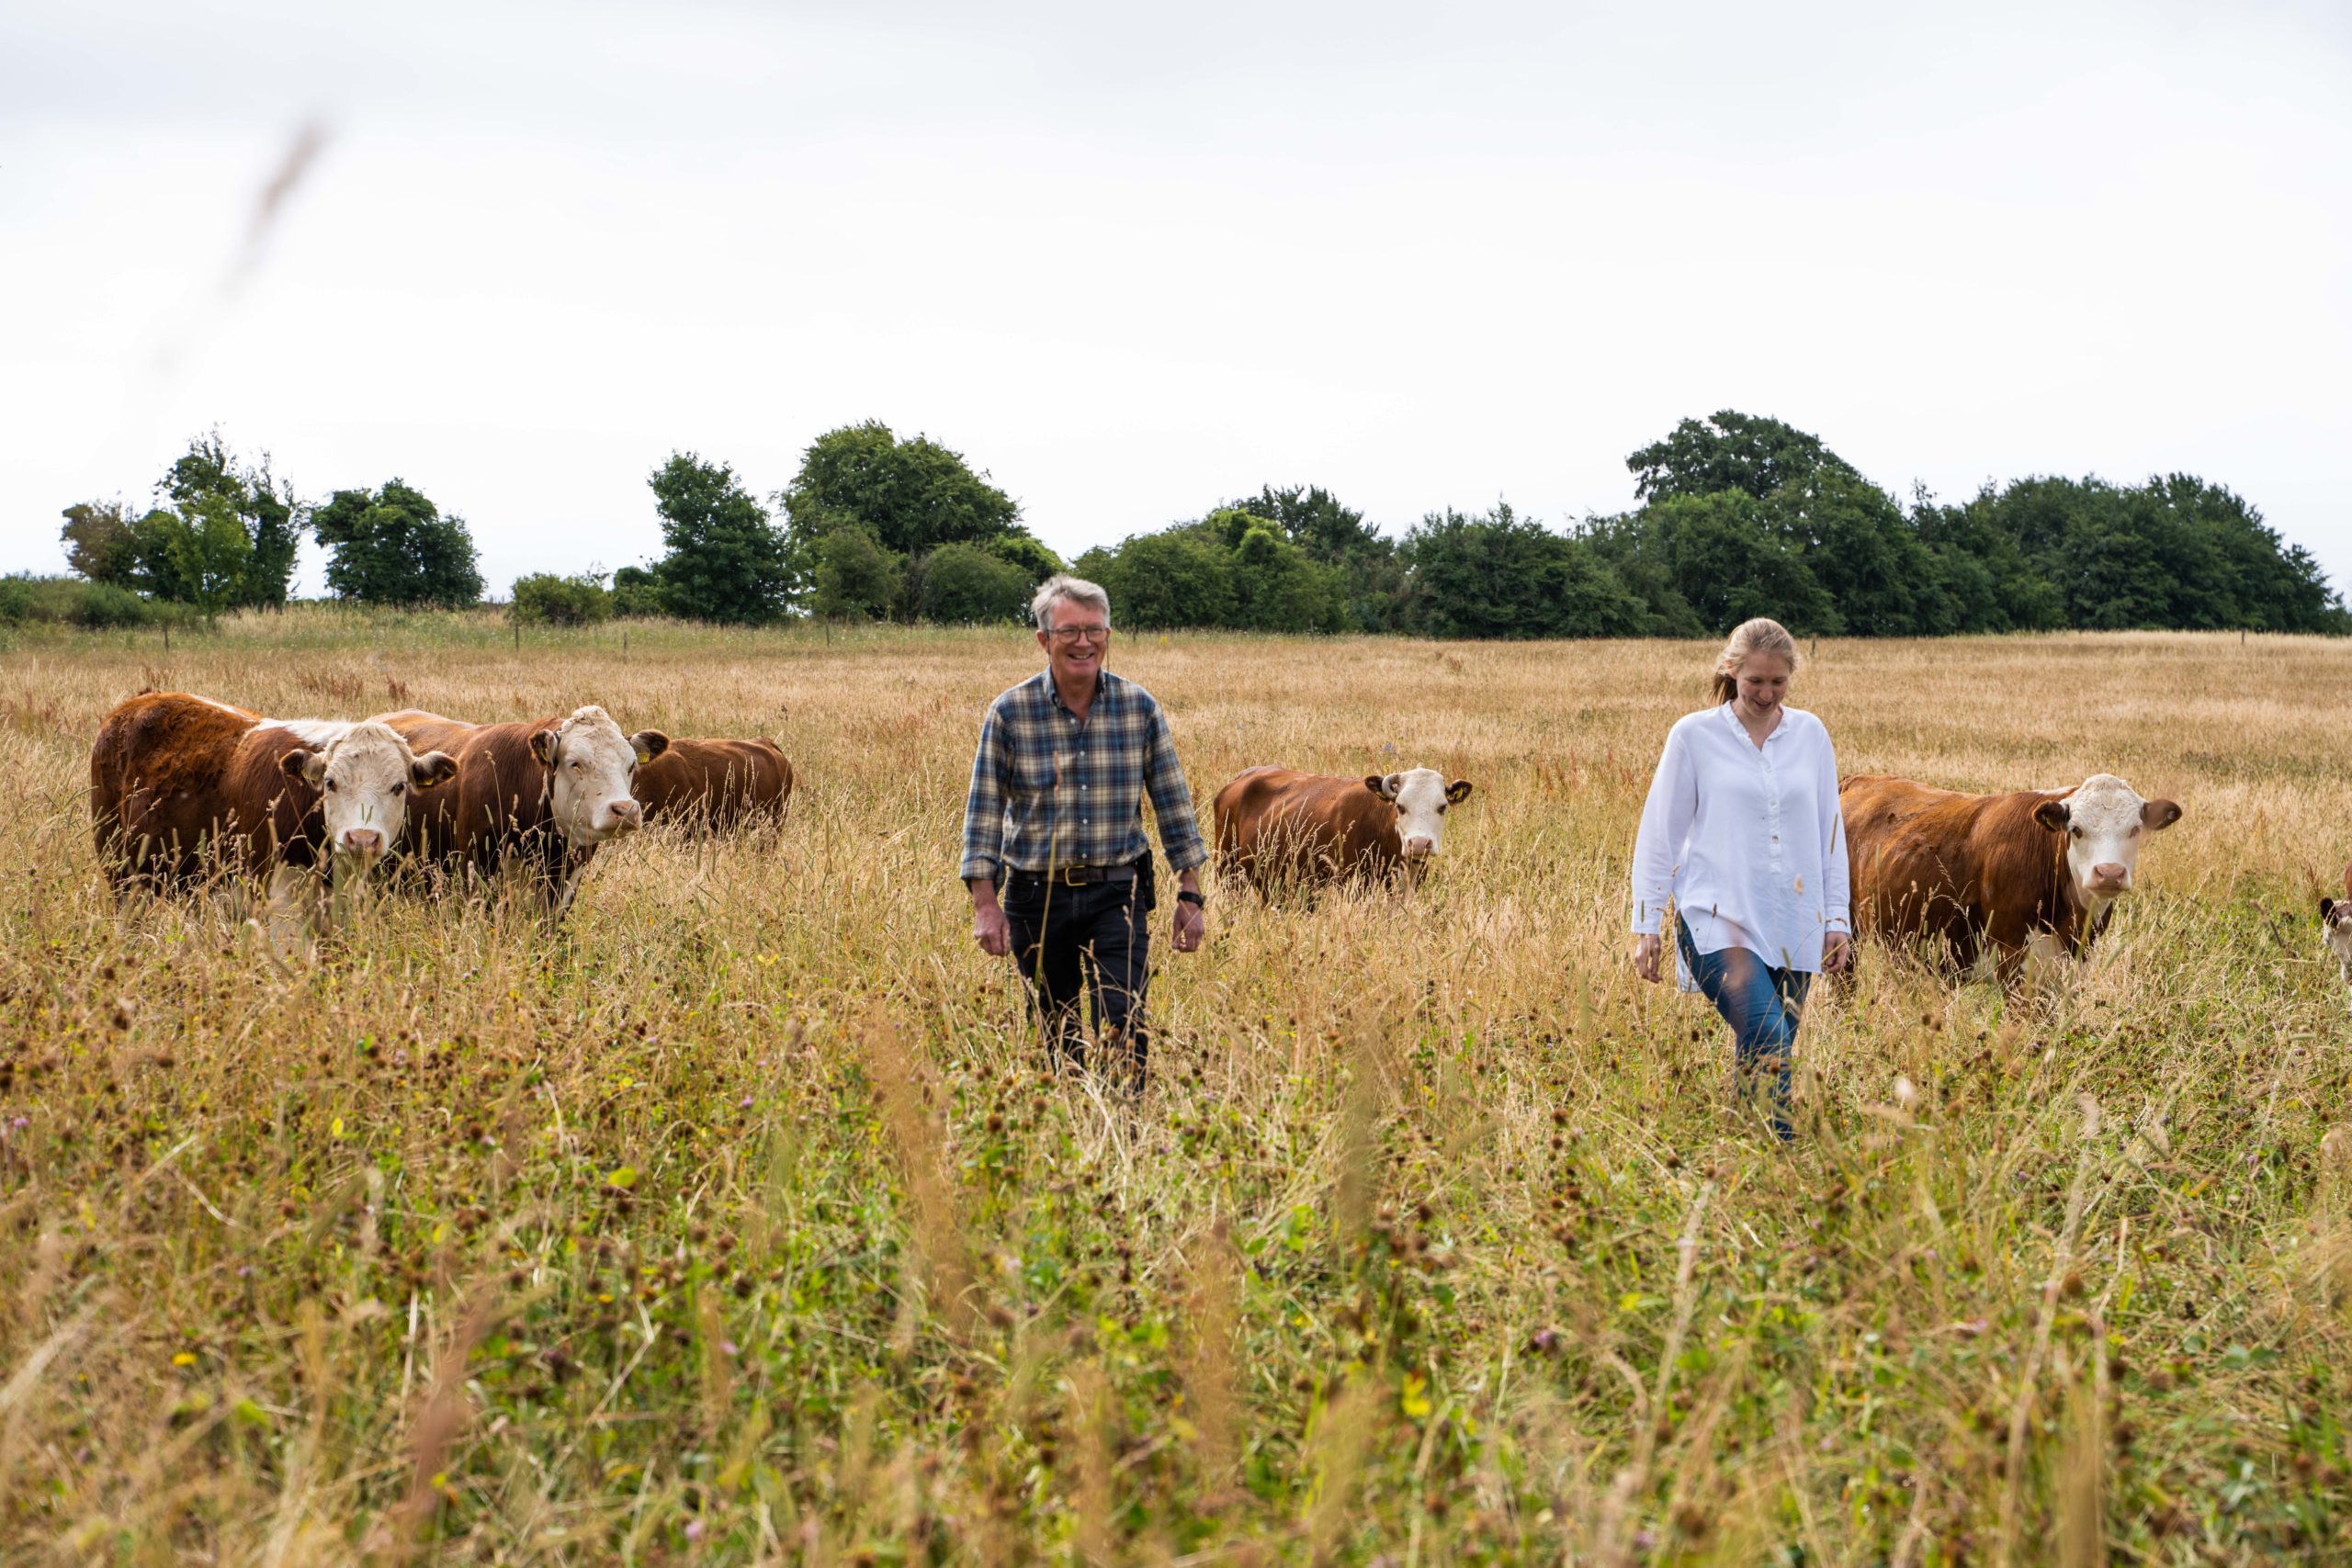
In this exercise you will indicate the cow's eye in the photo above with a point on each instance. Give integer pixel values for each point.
(329, 786)
(398, 787)
(576, 767)
(1440, 811)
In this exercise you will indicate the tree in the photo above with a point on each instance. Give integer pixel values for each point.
(855, 577)
(1723, 562)
(970, 584)
(1863, 551)
(1731, 451)
(911, 496)
(393, 547)
(1501, 575)
(101, 542)
(200, 554)
(636, 593)
(208, 477)
(725, 561)
(1277, 587)
(1368, 580)
(544, 598)
(1178, 576)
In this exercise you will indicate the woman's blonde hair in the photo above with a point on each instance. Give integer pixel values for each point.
(1749, 638)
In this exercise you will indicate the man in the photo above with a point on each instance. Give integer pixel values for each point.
(1054, 818)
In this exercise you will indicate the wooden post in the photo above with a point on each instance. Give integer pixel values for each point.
(167, 636)
(624, 642)
(518, 636)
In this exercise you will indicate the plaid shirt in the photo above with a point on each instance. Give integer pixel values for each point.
(1048, 792)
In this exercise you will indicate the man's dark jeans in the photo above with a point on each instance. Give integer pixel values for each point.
(1763, 1005)
(1096, 938)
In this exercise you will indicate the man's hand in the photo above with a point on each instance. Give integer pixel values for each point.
(1648, 950)
(1189, 924)
(1836, 951)
(989, 928)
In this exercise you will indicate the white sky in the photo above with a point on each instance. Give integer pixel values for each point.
(1133, 263)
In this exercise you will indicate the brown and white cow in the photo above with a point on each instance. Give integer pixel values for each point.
(2035, 870)
(543, 794)
(2335, 927)
(1277, 826)
(179, 782)
(715, 784)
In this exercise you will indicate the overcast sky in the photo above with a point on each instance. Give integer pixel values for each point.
(1132, 262)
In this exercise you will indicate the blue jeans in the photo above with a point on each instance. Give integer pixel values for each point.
(1070, 941)
(1763, 1006)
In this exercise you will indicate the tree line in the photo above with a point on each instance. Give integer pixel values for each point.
(1737, 515)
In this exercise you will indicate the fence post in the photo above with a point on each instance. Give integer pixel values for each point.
(167, 636)
(518, 636)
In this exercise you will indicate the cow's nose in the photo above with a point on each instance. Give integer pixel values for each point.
(1419, 849)
(2110, 878)
(363, 840)
(627, 814)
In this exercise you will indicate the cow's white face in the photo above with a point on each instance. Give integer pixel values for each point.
(2336, 925)
(592, 765)
(1420, 796)
(2104, 823)
(364, 776)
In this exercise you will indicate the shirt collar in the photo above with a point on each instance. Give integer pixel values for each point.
(1741, 730)
(1053, 689)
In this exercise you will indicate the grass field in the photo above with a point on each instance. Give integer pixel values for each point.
(737, 1222)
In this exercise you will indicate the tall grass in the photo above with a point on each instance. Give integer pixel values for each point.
(738, 1220)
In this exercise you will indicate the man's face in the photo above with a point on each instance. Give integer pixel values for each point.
(1075, 638)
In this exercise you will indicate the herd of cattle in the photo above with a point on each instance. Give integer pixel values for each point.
(181, 784)
(1996, 876)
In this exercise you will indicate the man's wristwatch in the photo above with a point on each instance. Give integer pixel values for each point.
(1186, 895)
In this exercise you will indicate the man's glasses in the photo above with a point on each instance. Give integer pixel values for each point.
(1073, 634)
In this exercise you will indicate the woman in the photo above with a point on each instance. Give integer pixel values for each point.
(1742, 832)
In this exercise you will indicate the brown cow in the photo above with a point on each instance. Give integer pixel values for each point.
(542, 793)
(2038, 869)
(715, 784)
(179, 782)
(1276, 826)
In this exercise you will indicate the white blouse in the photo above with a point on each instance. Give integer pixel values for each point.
(1747, 840)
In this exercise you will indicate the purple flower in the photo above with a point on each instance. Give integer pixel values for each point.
(731, 1346)
(693, 1530)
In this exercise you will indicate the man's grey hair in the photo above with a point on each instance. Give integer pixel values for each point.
(1076, 590)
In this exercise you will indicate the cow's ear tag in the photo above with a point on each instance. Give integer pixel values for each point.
(1457, 792)
(543, 746)
(432, 768)
(649, 744)
(2052, 813)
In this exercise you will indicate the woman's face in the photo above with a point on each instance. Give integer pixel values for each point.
(1763, 680)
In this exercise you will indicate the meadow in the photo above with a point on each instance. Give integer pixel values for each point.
(737, 1221)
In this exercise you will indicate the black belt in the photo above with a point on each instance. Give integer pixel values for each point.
(1079, 875)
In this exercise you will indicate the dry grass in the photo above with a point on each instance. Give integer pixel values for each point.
(736, 1221)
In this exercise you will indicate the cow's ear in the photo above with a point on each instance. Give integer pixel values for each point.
(307, 766)
(1379, 786)
(1457, 792)
(649, 744)
(432, 768)
(2052, 813)
(543, 746)
(2158, 815)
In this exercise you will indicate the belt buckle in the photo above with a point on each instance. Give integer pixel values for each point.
(1067, 877)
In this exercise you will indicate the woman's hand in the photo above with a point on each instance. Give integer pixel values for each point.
(1647, 948)
(1836, 951)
